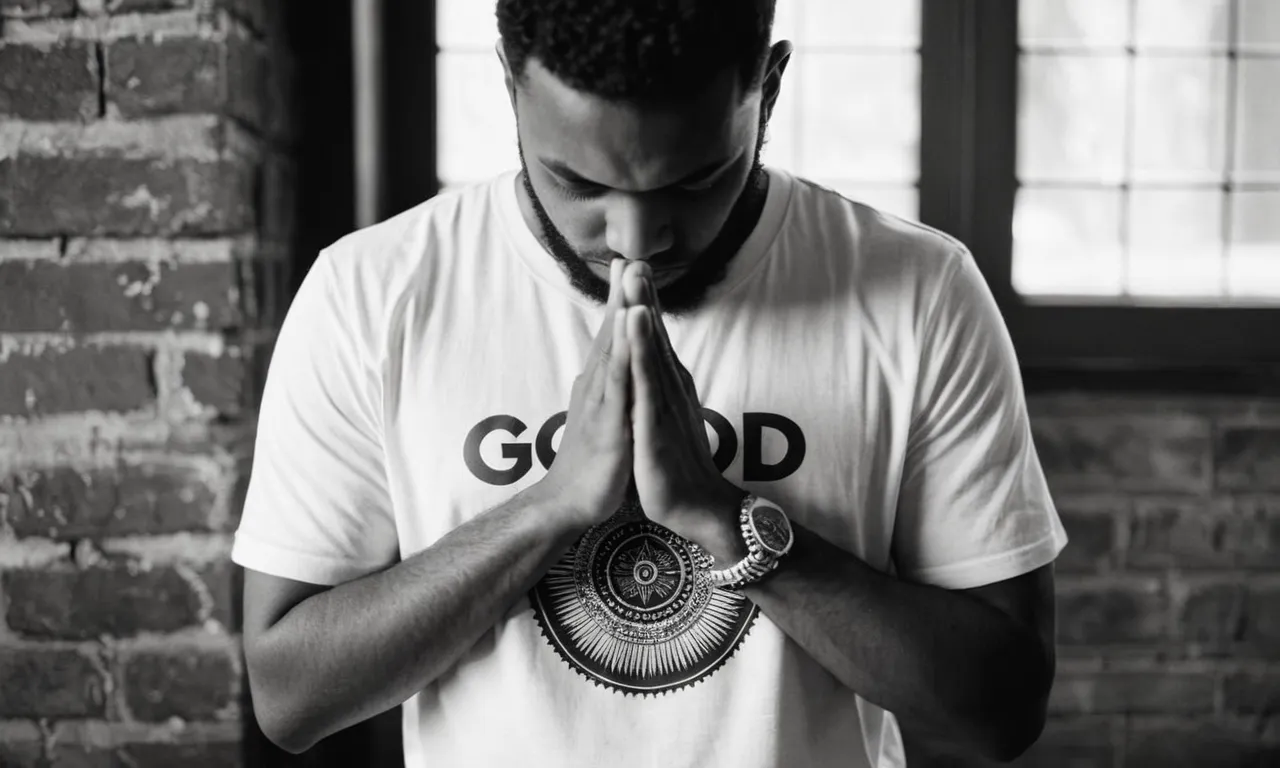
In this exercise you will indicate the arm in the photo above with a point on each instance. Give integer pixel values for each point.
(322, 659)
(973, 666)
(318, 511)
(973, 513)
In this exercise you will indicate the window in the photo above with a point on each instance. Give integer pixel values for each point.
(1147, 151)
(1111, 163)
(865, 47)
(1105, 161)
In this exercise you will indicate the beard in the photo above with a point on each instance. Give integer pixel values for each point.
(688, 291)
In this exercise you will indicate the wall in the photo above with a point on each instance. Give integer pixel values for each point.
(145, 189)
(1169, 596)
(144, 224)
(1169, 593)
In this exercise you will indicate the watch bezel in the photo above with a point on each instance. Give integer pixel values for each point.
(755, 529)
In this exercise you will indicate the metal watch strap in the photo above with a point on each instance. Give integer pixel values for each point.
(755, 565)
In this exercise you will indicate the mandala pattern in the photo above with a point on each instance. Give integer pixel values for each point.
(629, 607)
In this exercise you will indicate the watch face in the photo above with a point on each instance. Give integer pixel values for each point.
(772, 528)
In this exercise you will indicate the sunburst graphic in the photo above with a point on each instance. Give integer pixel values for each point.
(644, 571)
(629, 606)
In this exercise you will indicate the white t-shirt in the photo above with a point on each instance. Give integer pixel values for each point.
(854, 369)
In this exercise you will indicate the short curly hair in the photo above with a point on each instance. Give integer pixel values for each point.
(638, 51)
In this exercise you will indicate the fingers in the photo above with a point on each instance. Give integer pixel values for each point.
(617, 388)
(645, 385)
(617, 268)
(641, 290)
(602, 345)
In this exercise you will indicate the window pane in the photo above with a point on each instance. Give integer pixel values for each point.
(849, 108)
(477, 132)
(470, 24)
(1253, 264)
(1057, 23)
(872, 131)
(1179, 122)
(1259, 27)
(1258, 120)
(785, 20)
(862, 23)
(1175, 242)
(1197, 24)
(1067, 242)
(1071, 117)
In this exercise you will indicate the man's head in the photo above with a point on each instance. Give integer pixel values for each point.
(640, 125)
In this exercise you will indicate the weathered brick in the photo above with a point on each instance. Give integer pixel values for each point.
(119, 297)
(78, 379)
(42, 682)
(1091, 530)
(225, 582)
(1205, 533)
(1087, 453)
(264, 282)
(1252, 693)
(1261, 631)
(239, 490)
(65, 503)
(1124, 692)
(1212, 615)
(246, 79)
(149, 76)
(190, 683)
(21, 745)
(1196, 744)
(213, 754)
(222, 382)
(252, 12)
(102, 600)
(1116, 613)
(1248, 458)
(54, 82)
(109, 194)
(278, 200)
(139, 6)
(32, 9)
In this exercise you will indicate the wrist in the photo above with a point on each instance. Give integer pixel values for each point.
(566, 517)
(725, 542)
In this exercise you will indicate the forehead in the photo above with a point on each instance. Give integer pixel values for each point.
(631, 146)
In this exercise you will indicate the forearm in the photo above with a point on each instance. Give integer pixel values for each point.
(361, 648)
(937, 659)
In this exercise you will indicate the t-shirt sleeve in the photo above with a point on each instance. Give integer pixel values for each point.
(317, 508)
(974, 507)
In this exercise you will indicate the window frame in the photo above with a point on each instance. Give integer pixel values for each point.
(969, 108)
(967, 187)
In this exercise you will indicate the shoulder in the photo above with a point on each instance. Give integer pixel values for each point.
(369, 274)
(894, 263)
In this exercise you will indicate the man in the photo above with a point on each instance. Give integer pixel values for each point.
(794, 499)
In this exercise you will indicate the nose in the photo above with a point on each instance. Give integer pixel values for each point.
(637, 229)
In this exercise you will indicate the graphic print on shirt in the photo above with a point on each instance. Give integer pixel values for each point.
(629, 605)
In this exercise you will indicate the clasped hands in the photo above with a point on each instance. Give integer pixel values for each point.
(635, 429)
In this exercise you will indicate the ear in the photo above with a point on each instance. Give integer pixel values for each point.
(507, 78)
(771, 84)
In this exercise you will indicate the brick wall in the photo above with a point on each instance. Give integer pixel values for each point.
(144, 222)
(1169, 593)
(144, 228)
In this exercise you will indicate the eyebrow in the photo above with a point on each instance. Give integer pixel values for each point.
(702, 174)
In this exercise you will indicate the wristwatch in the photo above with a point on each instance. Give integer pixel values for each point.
(767, 533)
